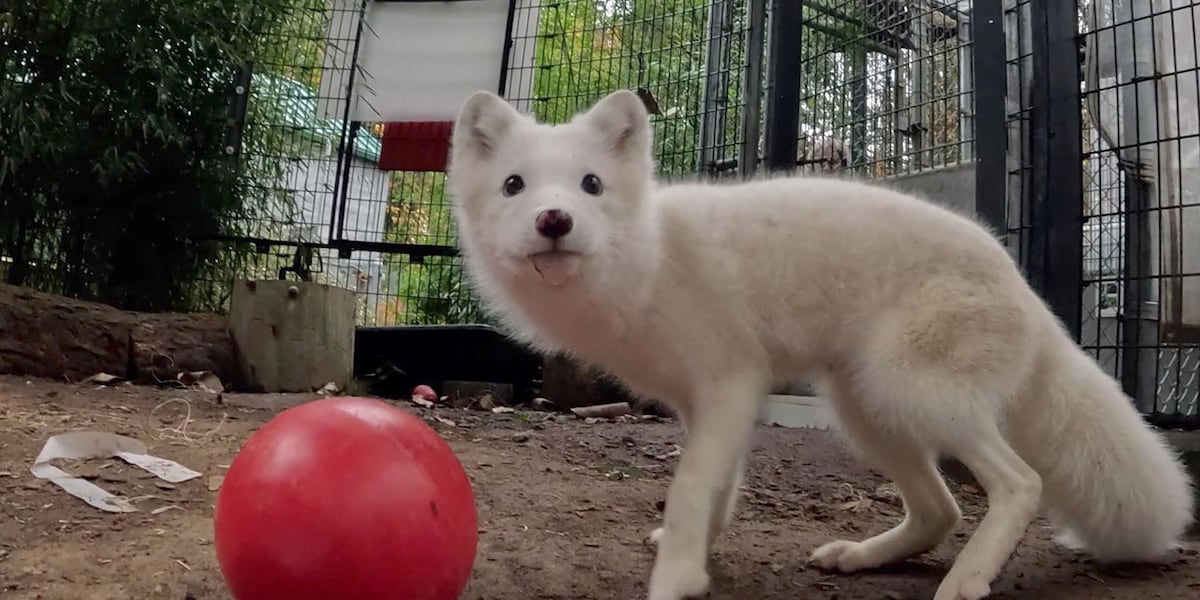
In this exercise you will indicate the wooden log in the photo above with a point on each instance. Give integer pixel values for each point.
(164, 345)
(292, 336)
(44, 335)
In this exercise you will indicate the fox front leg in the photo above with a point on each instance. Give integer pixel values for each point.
(719, 426)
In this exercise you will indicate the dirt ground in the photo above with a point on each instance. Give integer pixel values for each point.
(564, 509)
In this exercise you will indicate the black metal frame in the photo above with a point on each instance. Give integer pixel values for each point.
(1055, 251)
(783, 84)
(991, 126)
(752, 85)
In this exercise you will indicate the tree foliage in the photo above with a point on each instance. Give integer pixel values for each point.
(113, 117)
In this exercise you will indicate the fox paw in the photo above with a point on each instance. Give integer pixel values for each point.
(655, 535)
(678, 580)
(963, 587)
(844, 556)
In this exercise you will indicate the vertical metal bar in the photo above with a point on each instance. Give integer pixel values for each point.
(716, 87)
(1139, 309)
(345, 146)
(857, 53)
(991, 120)
(966, 79)
(344, 177)
(1139, 141)
(239, 106)
(1017, 44)
(919, 121)
(506, 55)
(752, 86)
(783, 80)
(1056, 251)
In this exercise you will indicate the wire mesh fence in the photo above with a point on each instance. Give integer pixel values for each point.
(887, 86)
(1141, 296)
(683, 57)
(1018, 110)
(389, 234)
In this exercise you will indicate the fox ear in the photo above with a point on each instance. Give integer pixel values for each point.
(483, 121)
(623, 122)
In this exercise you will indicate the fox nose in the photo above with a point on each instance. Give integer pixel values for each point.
(553, 223)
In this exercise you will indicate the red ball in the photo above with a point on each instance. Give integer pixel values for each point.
(345, 499)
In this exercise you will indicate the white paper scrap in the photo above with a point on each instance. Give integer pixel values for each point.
(95, 444)
(166, 470)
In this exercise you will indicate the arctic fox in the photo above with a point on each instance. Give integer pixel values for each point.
(924, 333)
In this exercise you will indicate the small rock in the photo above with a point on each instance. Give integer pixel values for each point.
(521, 437)
(214, 482)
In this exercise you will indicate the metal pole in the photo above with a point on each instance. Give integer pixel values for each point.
(1139, 161)
(783, 81)
(991, 119)
(752, 86)
(506, 53)
(1056, 249)
(716, 87)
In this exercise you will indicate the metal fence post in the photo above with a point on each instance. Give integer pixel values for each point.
(239, 105)
(1056, 250)
(715, 99)
(783, 82)
(752, 83)
(990, 114)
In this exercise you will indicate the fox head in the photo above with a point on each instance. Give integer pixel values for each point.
(546, 209)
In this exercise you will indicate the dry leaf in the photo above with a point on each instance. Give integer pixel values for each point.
(102, 379)
(204, 380)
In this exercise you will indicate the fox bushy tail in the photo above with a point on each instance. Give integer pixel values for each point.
(1112, 483)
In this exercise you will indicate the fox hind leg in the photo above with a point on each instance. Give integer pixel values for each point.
(930, 511)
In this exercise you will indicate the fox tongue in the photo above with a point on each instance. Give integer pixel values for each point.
(555, 268)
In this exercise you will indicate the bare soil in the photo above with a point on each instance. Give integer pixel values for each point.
(564, 509)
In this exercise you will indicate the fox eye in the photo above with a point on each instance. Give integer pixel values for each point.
(513, 185)
(591, 185)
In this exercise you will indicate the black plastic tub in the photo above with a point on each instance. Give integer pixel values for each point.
(395, 359)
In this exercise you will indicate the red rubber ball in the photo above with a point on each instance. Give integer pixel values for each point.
(345, 499)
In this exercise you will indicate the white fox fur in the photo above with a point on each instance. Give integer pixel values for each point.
(926, 336)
